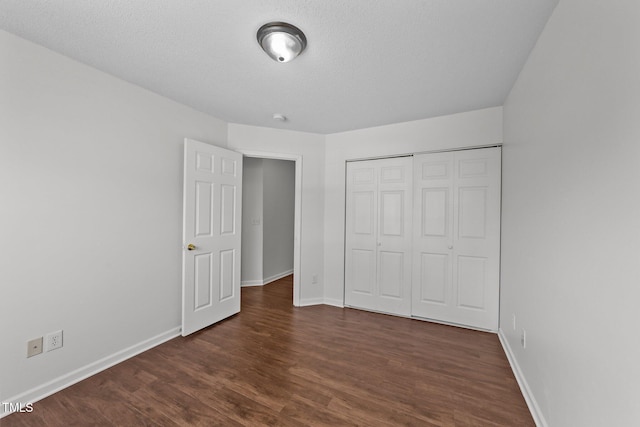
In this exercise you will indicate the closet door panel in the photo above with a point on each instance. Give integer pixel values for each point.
(432, 293)
(391, 274)
(378, 235)
(434, 210)
(363, 271)
(457, 247)
(471, 283)
(395, 235)
(477, 238)
(434, 278)
(361, 230)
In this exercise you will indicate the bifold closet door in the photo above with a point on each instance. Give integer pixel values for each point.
(456, 256)
(378, 235)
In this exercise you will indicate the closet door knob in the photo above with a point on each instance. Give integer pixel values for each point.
(191, 247)
(450, 246)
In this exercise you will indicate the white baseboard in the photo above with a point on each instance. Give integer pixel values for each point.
(277, 276)
(246, 283)
(536, 413)
(267, 280)
(64, 381)
(310, 301)
(334, 302)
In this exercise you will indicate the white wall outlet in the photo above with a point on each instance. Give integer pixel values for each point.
(514, 322)
(34, 347)
(53, 340)
(314, 279)
(523, 338)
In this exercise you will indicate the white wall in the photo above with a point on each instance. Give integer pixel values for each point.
(90, 213)
(252, 221)
(571, 215)
(475, 128)
(311, 148)
(279, 207)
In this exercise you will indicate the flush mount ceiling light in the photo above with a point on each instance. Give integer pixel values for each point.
(282, 41)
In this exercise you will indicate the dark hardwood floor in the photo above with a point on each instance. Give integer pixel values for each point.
(274, 364)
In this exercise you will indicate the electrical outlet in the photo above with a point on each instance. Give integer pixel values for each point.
(514, 322)
(314, 279)
(523, 338)
(34, 347)
(53, 340)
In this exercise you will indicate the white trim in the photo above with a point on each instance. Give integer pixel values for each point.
(64, 381)
(536, 413)
(298, 212)
(248, 283)
(277, 276)
(456, 325)
(311, 301)
(334, 302)
(266, 281)
(413, 153)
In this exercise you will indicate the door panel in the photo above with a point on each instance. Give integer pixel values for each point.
(472, 212)
(360, 224)
(363, 271)
(437, 168)
(363, 212)
(227, 268)
(458, 213)
(204, 213)
(211, 270)
(391, 274)
(392, 174)
(378, 235)
(471, 281)
(203, 267)
(435, 212)
(434, 279)
(391, 223)
(228, 209)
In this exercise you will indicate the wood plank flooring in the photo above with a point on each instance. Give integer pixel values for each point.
(275, 364)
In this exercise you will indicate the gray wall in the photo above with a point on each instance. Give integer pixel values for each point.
(279, 206)
(267, 219)
(252, 221)
(90, 223)
(571, 216)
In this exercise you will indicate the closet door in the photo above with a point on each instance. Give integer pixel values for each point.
(378, 235)
(456, 256)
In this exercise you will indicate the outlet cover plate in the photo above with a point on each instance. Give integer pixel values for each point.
(53, 340)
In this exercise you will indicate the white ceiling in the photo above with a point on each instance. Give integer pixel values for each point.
(367, 63)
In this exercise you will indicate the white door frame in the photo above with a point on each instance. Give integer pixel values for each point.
(298, 211)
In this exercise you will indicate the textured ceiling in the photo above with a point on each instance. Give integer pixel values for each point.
(368, 62)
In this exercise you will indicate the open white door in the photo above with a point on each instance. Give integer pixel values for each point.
(211, 235)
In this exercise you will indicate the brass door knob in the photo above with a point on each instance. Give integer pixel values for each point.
(191, 247)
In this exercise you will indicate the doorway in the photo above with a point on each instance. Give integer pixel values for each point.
(271, 219)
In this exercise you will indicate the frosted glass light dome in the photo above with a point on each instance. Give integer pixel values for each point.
(281, 41)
